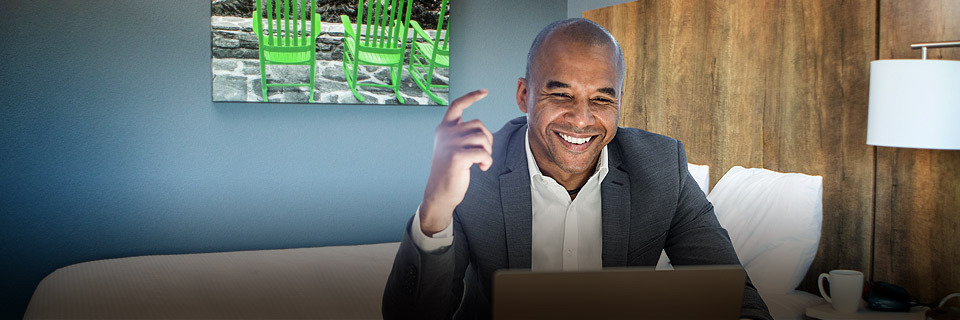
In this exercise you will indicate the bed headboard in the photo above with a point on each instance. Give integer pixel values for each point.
(784, 85)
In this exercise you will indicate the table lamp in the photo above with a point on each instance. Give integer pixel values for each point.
(915, 103)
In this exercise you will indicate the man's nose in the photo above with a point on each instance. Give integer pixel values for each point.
(580, 114)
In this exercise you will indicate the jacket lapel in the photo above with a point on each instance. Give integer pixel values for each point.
(615, 210)
(518, 212)
(515, 199)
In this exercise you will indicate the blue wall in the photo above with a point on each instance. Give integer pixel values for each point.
(111, 146)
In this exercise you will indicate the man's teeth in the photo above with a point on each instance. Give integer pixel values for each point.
(575, 140)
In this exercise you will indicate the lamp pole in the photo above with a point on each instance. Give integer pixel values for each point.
(942, 44)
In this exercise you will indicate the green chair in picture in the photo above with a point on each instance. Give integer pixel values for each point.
(379, 38)
(286, 40)
(429, 54)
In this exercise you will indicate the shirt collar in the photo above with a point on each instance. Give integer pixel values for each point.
(600, 173)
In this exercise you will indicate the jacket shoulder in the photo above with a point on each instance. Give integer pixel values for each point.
(633, 140)
(508, 138)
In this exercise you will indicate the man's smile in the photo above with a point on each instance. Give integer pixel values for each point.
(574, 142)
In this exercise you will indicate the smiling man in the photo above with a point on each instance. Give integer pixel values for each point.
(562, 189)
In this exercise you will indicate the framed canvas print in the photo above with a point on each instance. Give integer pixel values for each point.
(331, 51)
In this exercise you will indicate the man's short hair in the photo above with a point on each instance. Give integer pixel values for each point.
(581, 31)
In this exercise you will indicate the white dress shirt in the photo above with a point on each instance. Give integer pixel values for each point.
(566, 234)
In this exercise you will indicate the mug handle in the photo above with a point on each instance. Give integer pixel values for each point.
(820, 285)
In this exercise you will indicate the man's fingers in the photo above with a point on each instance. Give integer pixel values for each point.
(486, 163)
(470, 134)
(475, 125)
(455, 111)
(487, 133)
(476, 140)
(477, 156)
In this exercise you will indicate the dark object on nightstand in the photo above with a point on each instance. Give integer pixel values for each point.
(884, 296)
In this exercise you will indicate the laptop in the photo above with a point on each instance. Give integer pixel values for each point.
(692, 292)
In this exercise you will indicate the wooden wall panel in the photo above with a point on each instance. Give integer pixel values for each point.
(775, 84)
(817, 124)
(918, 191)
(682, 79)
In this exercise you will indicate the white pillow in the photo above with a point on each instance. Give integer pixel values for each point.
(774, 223)
(701, 174)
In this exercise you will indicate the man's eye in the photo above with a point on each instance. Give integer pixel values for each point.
(602, 100)
(560, 95)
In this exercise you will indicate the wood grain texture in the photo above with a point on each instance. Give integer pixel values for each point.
(918, 191)
(774, 84)
(817, 123)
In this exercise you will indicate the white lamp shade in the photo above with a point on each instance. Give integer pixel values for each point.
(914, 104)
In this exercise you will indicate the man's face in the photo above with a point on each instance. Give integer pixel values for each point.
(572, 102)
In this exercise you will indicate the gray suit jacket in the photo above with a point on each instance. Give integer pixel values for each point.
(649, 202)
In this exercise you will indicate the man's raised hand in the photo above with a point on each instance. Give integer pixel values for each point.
(457, 146)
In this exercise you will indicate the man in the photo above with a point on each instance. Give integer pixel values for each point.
(562, 189)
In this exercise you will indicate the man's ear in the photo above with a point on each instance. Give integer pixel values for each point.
(522, 94)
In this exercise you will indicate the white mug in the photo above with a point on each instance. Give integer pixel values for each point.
(846, 287)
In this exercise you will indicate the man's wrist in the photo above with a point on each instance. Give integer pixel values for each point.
(433, 243)
(432, 219)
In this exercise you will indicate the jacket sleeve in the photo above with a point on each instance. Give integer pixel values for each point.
(425, 285)
(696, 238)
